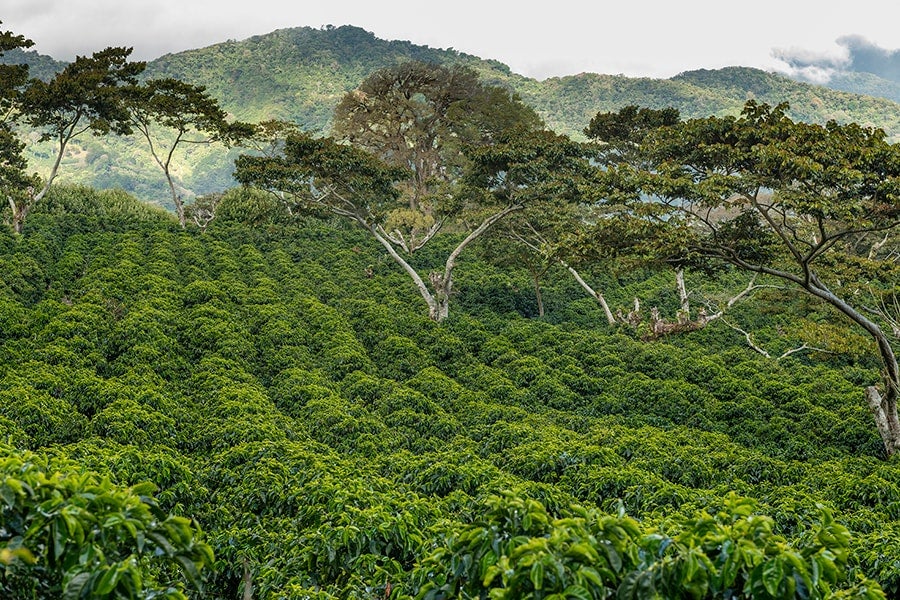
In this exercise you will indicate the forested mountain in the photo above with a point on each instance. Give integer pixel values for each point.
(866, 84)
(567, 102)
(39, 65)
(300, 74)
(279, 385)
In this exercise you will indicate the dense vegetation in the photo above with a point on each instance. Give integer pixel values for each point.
(279, 389)
(301, 74)
(248, 399)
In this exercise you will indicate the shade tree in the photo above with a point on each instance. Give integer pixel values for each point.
(420, 116)
(796, 202)
(411, 134)
(171, 114)
(86, 96)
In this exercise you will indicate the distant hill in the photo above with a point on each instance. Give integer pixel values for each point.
(39, 65)
(297, 74)
(301, 73)
(867, 84)
(568, 103)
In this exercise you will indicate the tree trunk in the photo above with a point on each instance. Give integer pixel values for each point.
(884, 411)
(443, 283)
(443, 287)
(176, 199)
(883, 403)
(537, 294)
(610, 318)
(682, 294)
(18, 215)
(441, 310)
(247, 582)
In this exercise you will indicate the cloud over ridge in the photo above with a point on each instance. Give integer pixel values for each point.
(855, 54)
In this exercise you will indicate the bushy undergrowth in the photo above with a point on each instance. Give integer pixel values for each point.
(281, 385)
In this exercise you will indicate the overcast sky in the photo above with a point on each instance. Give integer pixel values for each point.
(655, 38)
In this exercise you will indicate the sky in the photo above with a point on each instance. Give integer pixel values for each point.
(652, 38)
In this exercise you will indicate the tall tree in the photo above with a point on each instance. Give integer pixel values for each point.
(412, 153)
(322, 177)
(187, 115)
(14, 181)
(420, 117)
(85, 96)
(798, 202)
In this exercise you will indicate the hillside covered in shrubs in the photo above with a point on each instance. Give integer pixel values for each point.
(280, 386)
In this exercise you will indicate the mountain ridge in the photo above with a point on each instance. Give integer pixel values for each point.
(301, 73)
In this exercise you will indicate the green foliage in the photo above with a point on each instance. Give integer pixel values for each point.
(516, 550)
(776, 177)
(67, 534)
(186, 114)
(332, 442)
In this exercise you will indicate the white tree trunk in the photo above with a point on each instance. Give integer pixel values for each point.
(610, 318)
(886, 423)
(682, 294)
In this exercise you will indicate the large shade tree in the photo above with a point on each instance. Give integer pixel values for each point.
(802, 203)
(420, 146)
(86, 96)
(171, 114)
(420, 117)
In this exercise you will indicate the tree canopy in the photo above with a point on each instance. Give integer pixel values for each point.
(187, 114)
(799, 202)
(85, 96)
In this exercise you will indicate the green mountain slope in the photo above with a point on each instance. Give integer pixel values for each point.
(300, 74)
(39, 65)
(866, 84)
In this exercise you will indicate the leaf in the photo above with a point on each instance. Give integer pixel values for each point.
(772, 575)
(107, 582)
(75, 587)
(59, 538)
(576, 591)
(190, 570)
(162, 544)
(537, 575)
(591, 574)
(9, 490)
(589, 555)
(490, 574)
